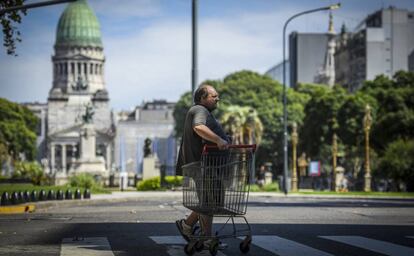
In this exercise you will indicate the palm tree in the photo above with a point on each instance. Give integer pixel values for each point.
(243, 124)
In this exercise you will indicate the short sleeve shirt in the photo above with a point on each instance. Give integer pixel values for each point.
(192, 143)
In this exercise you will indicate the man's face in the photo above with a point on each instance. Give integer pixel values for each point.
(212, 99)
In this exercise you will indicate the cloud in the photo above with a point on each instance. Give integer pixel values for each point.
(127, 8)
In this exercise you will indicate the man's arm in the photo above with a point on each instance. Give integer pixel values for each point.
(206, 133)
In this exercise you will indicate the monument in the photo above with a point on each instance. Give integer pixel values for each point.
(88, 161)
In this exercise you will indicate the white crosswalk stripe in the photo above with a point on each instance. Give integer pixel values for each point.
(92, 246)
(285, 247)
(87, 246)
(175, 245)
(373, 245)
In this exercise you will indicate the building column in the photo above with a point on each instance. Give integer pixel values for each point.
(108, 157)
(52, 158)
(63, 158)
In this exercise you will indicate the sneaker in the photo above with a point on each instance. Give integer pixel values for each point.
(185, 230)
(221, 245)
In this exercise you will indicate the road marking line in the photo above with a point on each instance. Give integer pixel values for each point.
(168, 240)
(175, 245)
(285, 247)
(373, 245)
(89, 246)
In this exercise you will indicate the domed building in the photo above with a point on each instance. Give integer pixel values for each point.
(78, 131)
(78, 99)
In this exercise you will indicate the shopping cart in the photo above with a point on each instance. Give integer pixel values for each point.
(218, 186)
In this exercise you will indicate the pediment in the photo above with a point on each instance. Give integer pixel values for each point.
(73, 132)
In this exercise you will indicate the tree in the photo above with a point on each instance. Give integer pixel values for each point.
(394, 114)
(320, 122)
(243, 124)
(11, 34)
(17, 130)
(397, 163)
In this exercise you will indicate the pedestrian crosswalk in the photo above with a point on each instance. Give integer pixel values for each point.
(272, 244)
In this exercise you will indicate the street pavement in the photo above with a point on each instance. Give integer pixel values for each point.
(142, 223)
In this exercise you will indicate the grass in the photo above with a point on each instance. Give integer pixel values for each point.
(9, 188)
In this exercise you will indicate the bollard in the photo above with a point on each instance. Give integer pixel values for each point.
(59, 195)
(33, 196)
(68, 195)
(5, 199)
(14, 198)
(26, 196)
(78, 194)
(51, 195)
(87, 194)
(42, 195)
(21, 197)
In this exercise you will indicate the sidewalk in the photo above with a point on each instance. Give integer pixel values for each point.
(139, 195)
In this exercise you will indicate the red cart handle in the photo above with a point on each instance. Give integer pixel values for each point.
(247, 146)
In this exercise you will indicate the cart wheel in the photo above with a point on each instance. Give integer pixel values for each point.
(189, 249)
(245, 244)
(244, 247)
(213, 247)
(199, 246)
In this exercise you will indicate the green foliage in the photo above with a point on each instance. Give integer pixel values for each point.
(10, 33)
(397, 162)
(83, 180)
(17, 130)
(272, 187)
(173, 181)
(29, 170)
(155, 183)
(393, 114)
(149, 184)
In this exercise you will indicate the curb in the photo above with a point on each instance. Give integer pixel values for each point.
(17, 209)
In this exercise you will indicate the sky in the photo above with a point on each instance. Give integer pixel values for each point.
(147, 43)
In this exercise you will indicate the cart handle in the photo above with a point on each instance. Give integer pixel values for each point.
(252, 146)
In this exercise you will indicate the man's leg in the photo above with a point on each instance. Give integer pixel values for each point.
(185, 226)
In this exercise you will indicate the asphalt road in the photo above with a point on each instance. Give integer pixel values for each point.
(280, 226)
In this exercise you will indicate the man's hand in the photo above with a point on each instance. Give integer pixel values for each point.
(222, 144)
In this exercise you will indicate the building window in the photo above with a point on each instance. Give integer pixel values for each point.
(85, 70)
(91, 70)
(79, 68)
(72, 68)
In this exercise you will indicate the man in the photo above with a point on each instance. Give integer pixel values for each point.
(200, 128)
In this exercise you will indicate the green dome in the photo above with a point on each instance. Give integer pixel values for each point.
(78, 26)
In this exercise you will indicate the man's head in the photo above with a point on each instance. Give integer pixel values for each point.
(207, 96)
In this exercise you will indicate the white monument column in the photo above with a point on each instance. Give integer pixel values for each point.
(108, 156)
(52, 157)
(64, 158)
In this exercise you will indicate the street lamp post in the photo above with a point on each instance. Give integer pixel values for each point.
(294, 144)
(194, 70)
(285, 143)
